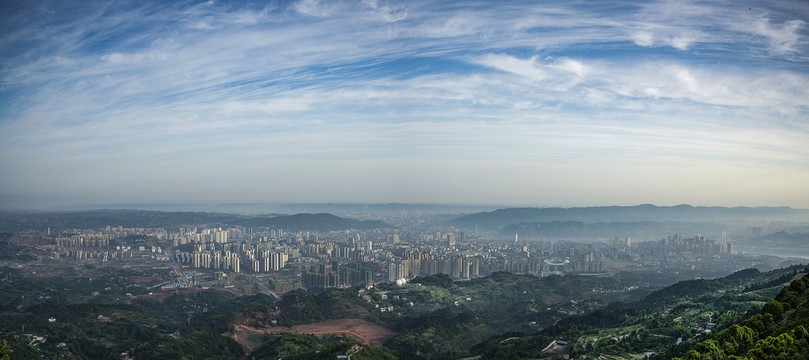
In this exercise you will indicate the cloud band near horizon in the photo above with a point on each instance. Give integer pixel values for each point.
(558, 103)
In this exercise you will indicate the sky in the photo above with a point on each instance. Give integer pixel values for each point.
(526, 103)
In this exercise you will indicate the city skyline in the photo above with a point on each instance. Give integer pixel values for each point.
(551, 104)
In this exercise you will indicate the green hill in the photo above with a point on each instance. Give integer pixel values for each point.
(639, 213)
(750, 314)
(309, 222)
(58, 221)
(674, 315)
(777, 331)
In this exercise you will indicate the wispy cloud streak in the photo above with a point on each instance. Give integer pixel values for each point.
(236, 85)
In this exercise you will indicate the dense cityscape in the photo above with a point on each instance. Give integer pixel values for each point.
(366, 280)
(404, 180)
(307, 259)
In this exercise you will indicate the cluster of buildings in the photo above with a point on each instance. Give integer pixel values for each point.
(257, 258)
(580, 262)
(350, 257)
(99, 246)
(337, 275)
(195, 235)
(415, 263)
(84, 240)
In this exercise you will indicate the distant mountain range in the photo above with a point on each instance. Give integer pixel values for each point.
(309, 222)
(638, 230)
(779, 243)
(684, 213)
(383, 208)
(17, 221)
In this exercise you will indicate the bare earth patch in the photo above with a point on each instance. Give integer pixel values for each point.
(796, 277)
(364, 332)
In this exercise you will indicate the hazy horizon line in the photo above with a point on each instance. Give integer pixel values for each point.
(217, 206)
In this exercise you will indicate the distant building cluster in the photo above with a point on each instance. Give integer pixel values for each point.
(580, 262)
(84, 240)
(256, 258)
(626, 242)
(120, 232)
(336, 275)
(284, 260)
(98, 246)
(415, 263)
(204, 236)
(697, 245)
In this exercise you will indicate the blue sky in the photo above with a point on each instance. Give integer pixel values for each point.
(568, 103)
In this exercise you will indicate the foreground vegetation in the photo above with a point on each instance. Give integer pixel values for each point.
(747, 314)
(777, 331)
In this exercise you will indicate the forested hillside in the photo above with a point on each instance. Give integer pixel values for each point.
(777, 331)
(673, 320)
(748, 314)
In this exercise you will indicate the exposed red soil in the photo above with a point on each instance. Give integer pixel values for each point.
(29, 240)
(145, 279)
(364, 332)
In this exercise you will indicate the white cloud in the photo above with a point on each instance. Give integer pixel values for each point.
(272, 106)
(454, 26)
(535, 84)
(782, 39)
(526, 68)
(643, 38)
(681, 42)
(659, 35)
(201, 25)
(390, 13)
(153, 55)
(710, 86)
(573, 66)
(311, 7)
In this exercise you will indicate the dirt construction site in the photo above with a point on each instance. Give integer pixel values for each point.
(364, 332)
